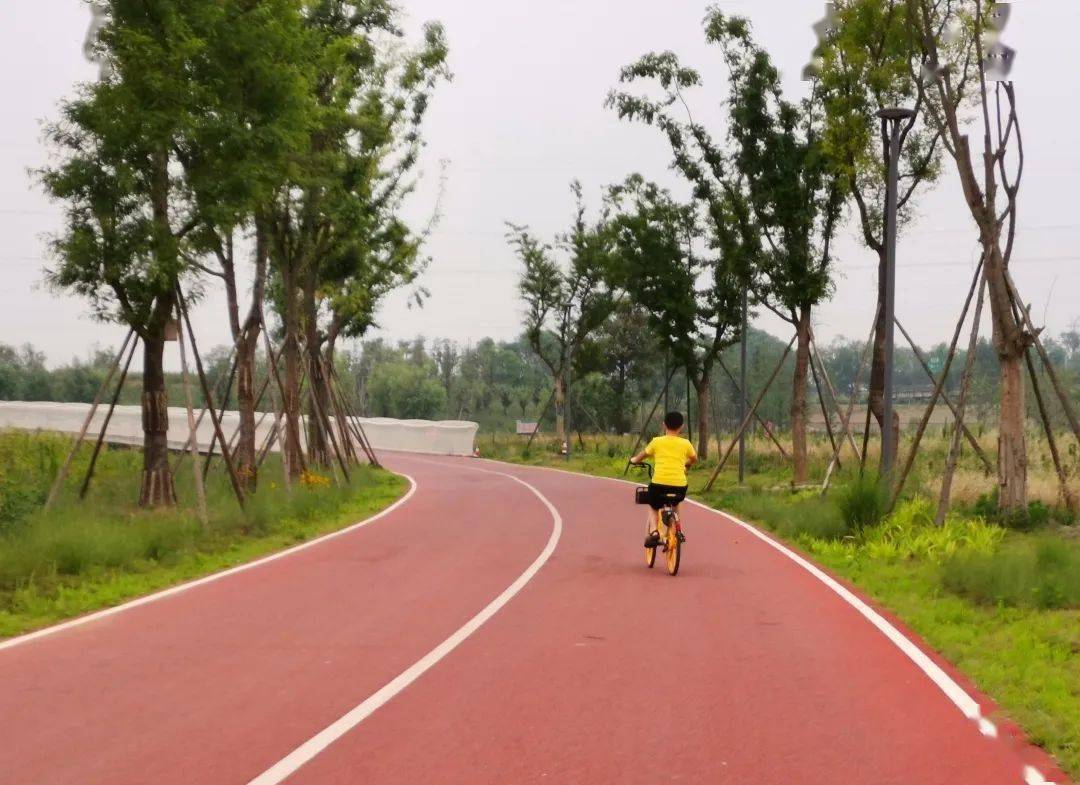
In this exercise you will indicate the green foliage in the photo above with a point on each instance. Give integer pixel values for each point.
(693, 299)
(872, 62)
(795, 194)
(405, 391)
(1036, 515)
(909, 532)
(862, 502)
(565, 300)
(1041, 572)
(27, 461)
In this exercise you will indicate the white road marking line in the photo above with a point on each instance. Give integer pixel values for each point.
(161, 595)
(955, 693)
(303, 754)
(1033, 777)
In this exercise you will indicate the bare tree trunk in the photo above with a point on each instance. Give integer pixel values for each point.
(1011, 343)
(1012, 452)
(798, 397)
(246, 458)
(247, 344)
(157, 482)
(877, 370)
(704, 396)
(560, 408)
(291, 382)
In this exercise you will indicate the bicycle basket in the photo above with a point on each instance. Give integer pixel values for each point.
(641, 496)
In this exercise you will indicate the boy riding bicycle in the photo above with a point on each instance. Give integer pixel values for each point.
(672, 455)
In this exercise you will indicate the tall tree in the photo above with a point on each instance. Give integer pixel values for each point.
(338, 244)
(565, 301)
(128, 212)
(871, 63)
(771, 196)
(689, 283)
(256, 108)
(628, 353)
(796, 195)
(953, 39)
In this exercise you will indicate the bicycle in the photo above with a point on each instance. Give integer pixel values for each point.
(668, 526)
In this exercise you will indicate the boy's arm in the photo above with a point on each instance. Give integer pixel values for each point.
(641, 456)
(691, 458)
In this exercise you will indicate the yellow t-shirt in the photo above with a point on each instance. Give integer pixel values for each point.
(670, 454)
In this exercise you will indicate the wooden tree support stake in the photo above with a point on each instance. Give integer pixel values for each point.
(978, 282)
(750, 414)
(108, 418)
(954, 446)
(863, 362)
(948, 401)
(225, 453)
(833, 395)
(764, 425)
(543, 414)
(200, 489)
(1063, 481)
(825, 413)
(58, 483)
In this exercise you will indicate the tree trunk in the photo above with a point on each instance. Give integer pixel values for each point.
(246, 454)
(798, 398)
(247, 343)
(560, 408)
(345, 437)
(1012, 450)
(1011, 343)
(157, 482)
(291, 351)
(318, 404)
(704, 395)
(877, 371)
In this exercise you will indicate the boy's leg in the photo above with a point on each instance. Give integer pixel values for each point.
(651, 531)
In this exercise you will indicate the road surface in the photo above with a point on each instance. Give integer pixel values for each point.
(499, 626)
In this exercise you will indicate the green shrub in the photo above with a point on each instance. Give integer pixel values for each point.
(910, 532)
(1040, 573)
(861, 502)
(1035, 516)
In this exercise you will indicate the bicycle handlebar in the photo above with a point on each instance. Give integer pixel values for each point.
(644, 465)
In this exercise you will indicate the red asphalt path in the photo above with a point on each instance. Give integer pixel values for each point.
(746, 668)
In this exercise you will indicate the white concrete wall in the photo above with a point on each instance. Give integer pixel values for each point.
(125, 427)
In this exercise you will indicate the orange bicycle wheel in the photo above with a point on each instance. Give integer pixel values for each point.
(674, 551)
(650, 553)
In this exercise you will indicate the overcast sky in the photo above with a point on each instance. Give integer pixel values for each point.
(525, 115)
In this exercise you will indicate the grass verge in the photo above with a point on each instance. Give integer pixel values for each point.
(83, 557)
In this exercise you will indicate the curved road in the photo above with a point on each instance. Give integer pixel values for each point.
(499, 626)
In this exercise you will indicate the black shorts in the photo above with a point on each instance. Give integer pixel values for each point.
(660, 495)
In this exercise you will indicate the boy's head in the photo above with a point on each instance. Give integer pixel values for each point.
(674, 422)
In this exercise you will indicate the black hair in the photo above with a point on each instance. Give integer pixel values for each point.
(674, 421)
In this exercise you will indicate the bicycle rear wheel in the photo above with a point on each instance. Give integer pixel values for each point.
(674, 552)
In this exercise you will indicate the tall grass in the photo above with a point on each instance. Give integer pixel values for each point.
(106, 539)
(861, 502)
(1041, 572)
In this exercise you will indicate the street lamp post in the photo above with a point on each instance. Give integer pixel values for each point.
(891, 121)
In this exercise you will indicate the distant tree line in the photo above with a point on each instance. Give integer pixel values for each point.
(620, 371)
